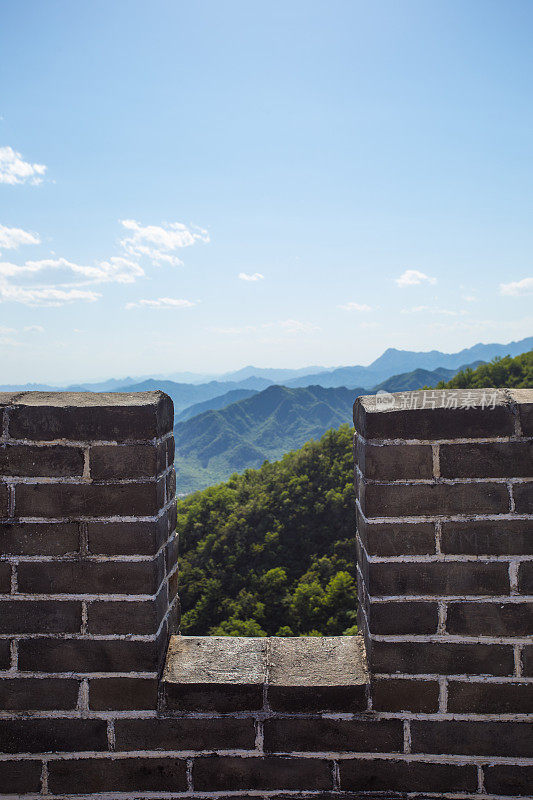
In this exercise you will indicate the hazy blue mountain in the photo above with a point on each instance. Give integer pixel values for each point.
(395, 362)
(213, 445)
(418, 378)
(214, 404)
(28, 387)
(280, 376)
(186, 394)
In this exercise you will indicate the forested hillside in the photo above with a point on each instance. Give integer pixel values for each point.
(516, 373)
(272, 551)
(213, 445)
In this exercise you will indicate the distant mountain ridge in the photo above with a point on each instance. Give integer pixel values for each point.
(213, 445)
(203, 387)
(395, 362)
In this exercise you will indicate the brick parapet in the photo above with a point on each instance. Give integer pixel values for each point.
(445, 606)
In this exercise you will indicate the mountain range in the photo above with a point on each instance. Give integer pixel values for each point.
(188, 388)
(223, 439)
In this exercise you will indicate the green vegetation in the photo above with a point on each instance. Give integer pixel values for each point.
(272, 551)
(516, 373)
(215, 444)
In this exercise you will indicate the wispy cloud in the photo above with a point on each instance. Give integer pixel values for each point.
(412, 277)
(517, 288)
(256, 276)
(58, 280)
(161, 302)
(60, 271)
(355, 307)
(33, 329)
(12, 238)
(49, 296)
(13, 168)
(160, 242)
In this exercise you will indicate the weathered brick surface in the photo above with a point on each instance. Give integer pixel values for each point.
(490, 698)
(129, 538)
(5, 653)
(227, 772)
(41, 416)
(394, 617)
(487, 460)
(86, 655)
(52, 735)
(139, 616)
(426, 499)
(400, 694)
(204, 696)
(490, 619)
(442, 658)
(523, 497)
(406, 776)
(127, 461)
(38, 694)
(91, 577)
(487, 537)
(121, 694)
(394, 461)
(40, 616)
(509, 779)
(39, 538)
(438, 578)
(525, 577)
(222, 733)
(435, 422)
(45, 462)
(118, 775)
(89, 499)
(312, 699)
(286, 735)
(3, 500)
(5, 577)
(396, 538)
(20, 776)
(527, 660)
(472, 738)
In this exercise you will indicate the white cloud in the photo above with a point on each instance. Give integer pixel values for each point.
(11, 238)
(159, 242)
(56, 280)
(412, 277)
(63, 274)
(13, 168)
(4, 330)
(40, 296)
(355, 307)
(469, 298)
(161, 302)
(256, 276)
(517, 288)
(33, 329)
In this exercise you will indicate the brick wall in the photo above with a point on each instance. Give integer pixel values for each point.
(87, 573)
(445, 558)
(88, 600)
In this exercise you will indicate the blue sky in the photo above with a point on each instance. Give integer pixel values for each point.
(202, 185)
